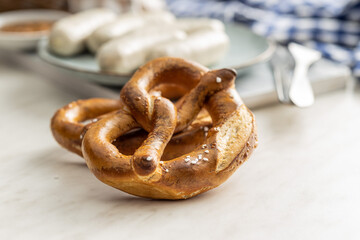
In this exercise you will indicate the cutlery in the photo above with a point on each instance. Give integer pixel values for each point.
(301, 93)
(282, 65)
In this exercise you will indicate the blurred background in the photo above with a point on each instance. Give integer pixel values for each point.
(79, 5)
(329, 26)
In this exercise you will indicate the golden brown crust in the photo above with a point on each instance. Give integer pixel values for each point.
(185, 152)
(69, 122)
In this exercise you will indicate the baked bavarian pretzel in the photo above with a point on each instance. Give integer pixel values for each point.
(147, 146)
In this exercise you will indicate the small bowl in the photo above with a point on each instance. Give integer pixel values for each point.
(25, 40)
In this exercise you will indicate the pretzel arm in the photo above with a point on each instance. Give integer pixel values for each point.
(97, 144)
(190, 105)
(136, 93)
(146, 158)
(223, 103)
(67, 124)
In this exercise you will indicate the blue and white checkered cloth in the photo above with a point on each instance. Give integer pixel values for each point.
(330, 26)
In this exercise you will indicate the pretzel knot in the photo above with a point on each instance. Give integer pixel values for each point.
(146, 145)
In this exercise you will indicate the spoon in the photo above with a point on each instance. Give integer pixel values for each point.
(301, 92)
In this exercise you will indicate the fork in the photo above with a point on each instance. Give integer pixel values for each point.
(282, 65)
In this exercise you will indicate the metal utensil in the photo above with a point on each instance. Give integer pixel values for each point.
(282, 65)
(301, 93)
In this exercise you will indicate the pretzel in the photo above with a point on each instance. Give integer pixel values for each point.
(148, 146)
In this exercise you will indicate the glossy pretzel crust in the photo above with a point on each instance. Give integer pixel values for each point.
(147, 146)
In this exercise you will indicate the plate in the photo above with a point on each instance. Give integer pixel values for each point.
(28, 40)
(246, 49)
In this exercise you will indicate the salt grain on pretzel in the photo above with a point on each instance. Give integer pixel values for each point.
(122, 155)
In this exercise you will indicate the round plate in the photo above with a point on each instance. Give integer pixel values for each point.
(28, 40)
(246, 49)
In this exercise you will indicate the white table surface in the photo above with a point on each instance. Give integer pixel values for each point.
(302, 182)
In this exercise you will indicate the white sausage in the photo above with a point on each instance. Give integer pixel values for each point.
(191, 25)
(125, 54)
(126, 24)
(68, 35)
(204, 46)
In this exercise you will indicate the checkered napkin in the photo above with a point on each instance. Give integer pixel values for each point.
(330, 26)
